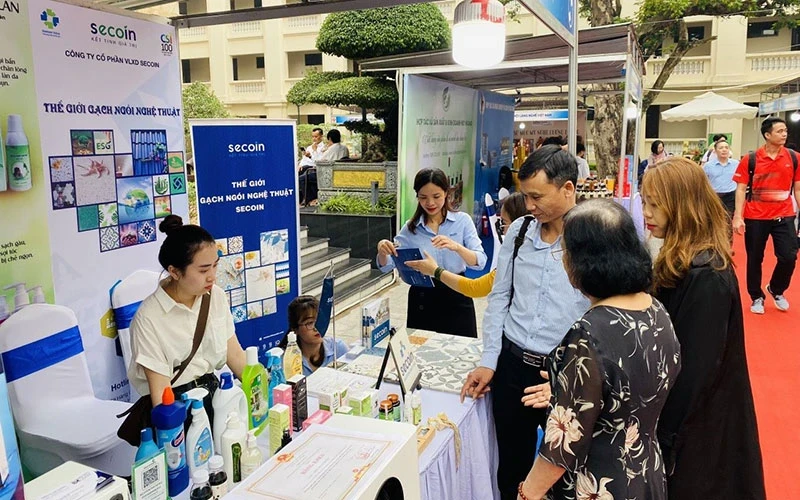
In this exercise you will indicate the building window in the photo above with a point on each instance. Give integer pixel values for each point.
(696, 33)
(760, 30)
(260, 62)
(186, 70)
(235, 69)
(651, 121)
(182, 8)
(314, 59)
(316, 119)
(795, 39)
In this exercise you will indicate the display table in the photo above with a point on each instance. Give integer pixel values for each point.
(64, 476)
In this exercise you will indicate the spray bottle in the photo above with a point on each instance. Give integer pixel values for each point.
(21, 298)
(276, 376)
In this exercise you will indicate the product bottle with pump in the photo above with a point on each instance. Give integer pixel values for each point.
(254, 385)
(276, 376)
(228, 398)
(201, 490)
(217, 477)
(199, 443)
(21, 297)
(293, 360)
(38, 295)
(3, 175)
(416, 407)
(252, 458)
(168, 418)
(233, 442)
(18, 155)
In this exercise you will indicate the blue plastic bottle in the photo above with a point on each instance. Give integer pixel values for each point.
(148, 447)
(168, 418)
(276, 376)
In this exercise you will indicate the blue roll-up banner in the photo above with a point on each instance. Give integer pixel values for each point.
(247, 199)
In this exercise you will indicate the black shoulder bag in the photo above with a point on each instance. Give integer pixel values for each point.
(137, 417)
(518, 241)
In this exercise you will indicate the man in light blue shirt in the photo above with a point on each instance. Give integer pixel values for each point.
(528, 314)
(719, 170)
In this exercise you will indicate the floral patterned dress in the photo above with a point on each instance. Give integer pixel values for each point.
(610, 378)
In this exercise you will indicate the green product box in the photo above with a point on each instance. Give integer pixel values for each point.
(278, 423)
(361, 403)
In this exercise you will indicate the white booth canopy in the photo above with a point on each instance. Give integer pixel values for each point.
(709, 105)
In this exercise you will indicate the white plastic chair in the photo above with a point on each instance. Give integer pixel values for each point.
(125, 298)
(57, 416)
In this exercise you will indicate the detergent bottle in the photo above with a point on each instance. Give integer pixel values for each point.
(168, 419)
(254, 385)
(228, 398)
(199, 444)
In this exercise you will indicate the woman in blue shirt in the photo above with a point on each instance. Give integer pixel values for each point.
(452, 240)
(720, 172)
(318, 351)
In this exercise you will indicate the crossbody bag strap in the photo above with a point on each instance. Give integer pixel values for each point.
(199, 331)
(518, 241)
(751, 170)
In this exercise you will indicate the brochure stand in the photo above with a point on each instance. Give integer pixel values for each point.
(399, 348)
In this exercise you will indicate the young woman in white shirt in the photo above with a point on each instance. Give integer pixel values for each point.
(163, 328)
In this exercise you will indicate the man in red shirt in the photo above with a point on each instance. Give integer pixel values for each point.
(768, 211)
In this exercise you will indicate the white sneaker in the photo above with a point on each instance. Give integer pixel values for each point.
(757, 307)
(780, 301)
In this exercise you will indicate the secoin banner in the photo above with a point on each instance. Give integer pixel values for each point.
(90, 103)
(247, 199)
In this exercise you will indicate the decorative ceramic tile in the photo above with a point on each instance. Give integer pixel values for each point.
(161, 185)
(230, 271)
(128, 234)
(135, 198)
(103, 141)
(63, 195)
(239, 313)
(235, 244)
(175, 162)
(260, 283)
(282, 286)
(147, 231)
(238, 297)
(270, 306)
(222, 245)
(82, 142)
(87, 218)
(254, 310)
(252, 259)
(107, 214)
(61, 169)
(177, 184)
(163, 206)
(123, 165)
(274, 246)
(109, 238)
(94, 180)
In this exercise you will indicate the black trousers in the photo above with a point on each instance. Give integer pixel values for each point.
(441, 309)
(729, 202)
(784, 242)
(308, 186)
(516, 425)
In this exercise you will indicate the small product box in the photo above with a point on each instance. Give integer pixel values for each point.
(299, 401)
(282, 393)
(330, 399)
(278, 423)
(344, 410)
(375, 403)
(361, 403)
(318, 417)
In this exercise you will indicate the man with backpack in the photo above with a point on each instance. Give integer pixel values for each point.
(765, 180)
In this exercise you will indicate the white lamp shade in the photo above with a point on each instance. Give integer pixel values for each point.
(479, 33)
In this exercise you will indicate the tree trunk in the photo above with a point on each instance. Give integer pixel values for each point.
(607, 130)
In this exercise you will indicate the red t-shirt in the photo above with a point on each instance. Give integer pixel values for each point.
(772, 185)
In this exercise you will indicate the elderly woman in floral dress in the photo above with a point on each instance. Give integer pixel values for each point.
(612, 372)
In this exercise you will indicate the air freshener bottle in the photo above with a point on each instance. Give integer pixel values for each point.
(18, 155)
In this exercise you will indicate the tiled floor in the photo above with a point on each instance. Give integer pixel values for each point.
(348, 323)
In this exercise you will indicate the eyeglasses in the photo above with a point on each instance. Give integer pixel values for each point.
(310, 325)
(557, 254)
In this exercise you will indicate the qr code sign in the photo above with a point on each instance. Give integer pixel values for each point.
(150, 476)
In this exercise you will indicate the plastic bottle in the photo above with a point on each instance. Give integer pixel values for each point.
(233, 443)
(4, 314)
(217, 477)
(252, 457)
(21, 297)
(293, 360)
(276, 376)
(3, 175)
(408, 411)
(201, 490)
(38, 295)
(416, 407)
(254, 385)
(199, 443)
(18, 155)
(228, 398)
(147, 448)
(168, 418)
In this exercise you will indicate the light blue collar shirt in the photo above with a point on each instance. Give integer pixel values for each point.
(545, 304)
(457, 226)
(721, 176)
(328, 356)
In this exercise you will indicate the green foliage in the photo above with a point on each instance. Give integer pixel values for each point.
(347, 203)
(199, 101)
(298, 94)
(362, 34)
(363, 91)
(191, 191)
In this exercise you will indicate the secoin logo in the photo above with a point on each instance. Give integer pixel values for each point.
(109, 31)
(246, 148)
